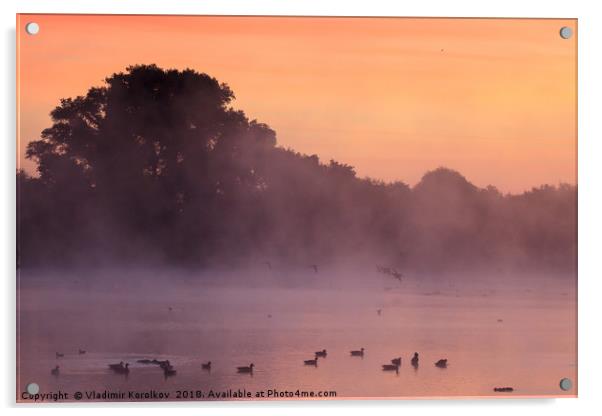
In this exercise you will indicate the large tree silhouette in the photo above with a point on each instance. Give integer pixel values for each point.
(157, 166)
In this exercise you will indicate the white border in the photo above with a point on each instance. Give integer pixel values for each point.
(590, 201)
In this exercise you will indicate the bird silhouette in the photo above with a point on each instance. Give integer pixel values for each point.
(358, 353)
(441, 363)
(248, 369)
(415, 360)
(313, 362)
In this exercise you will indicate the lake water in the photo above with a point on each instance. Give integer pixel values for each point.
(518, 333)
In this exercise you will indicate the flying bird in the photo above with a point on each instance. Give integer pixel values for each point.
(396, 274)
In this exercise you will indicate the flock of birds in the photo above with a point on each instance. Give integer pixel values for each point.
(394, 366)
(169, 371)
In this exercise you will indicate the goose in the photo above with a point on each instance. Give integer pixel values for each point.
(59, 355)
(441, 363)
(248, 369)
(169, 371)
(313, 362)
(359, 353)
(116, 367)
(123, 370)
(55, 371)
(82, 352)
(321, 354)
(315, 267)
(391, 367)
(206, 366)
(396, 361)
(415, 360)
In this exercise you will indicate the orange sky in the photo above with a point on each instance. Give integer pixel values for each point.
(494, 99)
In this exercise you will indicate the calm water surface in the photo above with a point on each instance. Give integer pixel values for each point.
(495, 334)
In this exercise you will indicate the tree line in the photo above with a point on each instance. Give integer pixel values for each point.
(156, 167)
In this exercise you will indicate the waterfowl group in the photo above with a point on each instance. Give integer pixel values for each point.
(62, 354)
(165, 365)
(394, 366)
(169, 370)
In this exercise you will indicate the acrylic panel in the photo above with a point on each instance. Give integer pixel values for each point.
(316, 208)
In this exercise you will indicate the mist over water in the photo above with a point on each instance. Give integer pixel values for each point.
(162, 223)
(495, 330)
